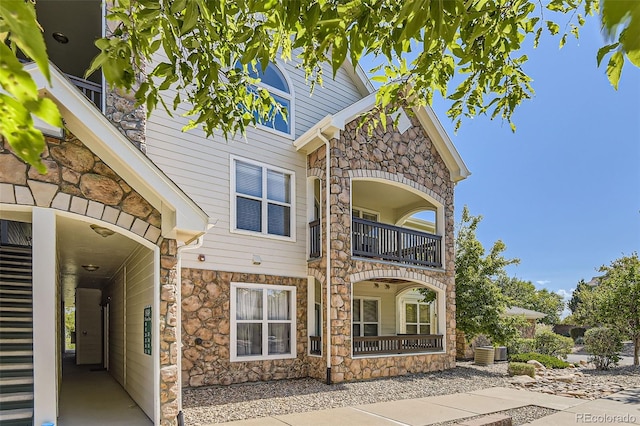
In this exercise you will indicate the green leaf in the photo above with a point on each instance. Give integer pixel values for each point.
(604, 50)
(614, 68)
(47, 110)
(634, 57)
(20, 20)
(13, 78)
(563, 41)
(553, 27)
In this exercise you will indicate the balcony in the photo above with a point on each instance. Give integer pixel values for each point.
(91, 90)
(315, 345)
(401, 344)
(314, 239)
(381, 241)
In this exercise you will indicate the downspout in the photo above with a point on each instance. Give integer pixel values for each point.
(327, 206)
(193, 246)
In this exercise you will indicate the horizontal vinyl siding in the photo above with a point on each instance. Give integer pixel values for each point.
(139, 293)
(387, 304)
(201, 167)
(115, 290)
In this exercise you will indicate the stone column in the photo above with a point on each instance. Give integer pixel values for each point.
(169, 386)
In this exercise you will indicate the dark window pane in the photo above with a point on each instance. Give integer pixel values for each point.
(249, 339)
(278, 186)
(249, 214)
(356, 310)
(356, 329)
(279, 339)
(371, 329)
(370, 308)
(279, 221)
(412, 329)
(248, 179)
(424, 313)
(425, 329)
(411, 314)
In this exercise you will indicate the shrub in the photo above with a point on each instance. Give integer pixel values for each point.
(576, 332)
(520, 346)
(550, 343)
(521, 369)
(546, 360)
(604, 344)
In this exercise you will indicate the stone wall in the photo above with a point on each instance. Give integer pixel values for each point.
(170, 387)
(408, 159)
(77, 181)
(205, 315)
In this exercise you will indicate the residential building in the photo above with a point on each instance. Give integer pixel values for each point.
(295, 251)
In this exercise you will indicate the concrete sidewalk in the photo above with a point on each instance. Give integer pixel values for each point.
(618, 409)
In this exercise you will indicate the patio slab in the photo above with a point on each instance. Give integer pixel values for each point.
(531, 398)
(478, 404)
(415, 412)
(333, 417)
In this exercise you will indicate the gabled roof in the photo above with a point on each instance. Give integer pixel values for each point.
(332, 124)
(527, 313)
(182, 218)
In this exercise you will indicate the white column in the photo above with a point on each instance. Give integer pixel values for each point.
(44, 317)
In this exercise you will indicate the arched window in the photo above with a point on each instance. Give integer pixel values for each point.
(275, 82)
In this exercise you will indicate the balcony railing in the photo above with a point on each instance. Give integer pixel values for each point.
(91, 90)
(403, 344)
(315, 345)
(393, 243)
(314, 239)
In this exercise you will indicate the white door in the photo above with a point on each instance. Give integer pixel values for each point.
(88, 326)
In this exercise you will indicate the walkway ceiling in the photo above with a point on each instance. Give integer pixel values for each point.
(79, 245)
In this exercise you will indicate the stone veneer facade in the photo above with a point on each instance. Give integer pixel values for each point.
(408, 159)
(77, 181)
(206, 299)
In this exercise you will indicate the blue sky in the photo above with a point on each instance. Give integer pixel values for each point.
(563, 192)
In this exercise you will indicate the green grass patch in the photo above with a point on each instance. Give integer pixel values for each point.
(521, 369)
(548, 361)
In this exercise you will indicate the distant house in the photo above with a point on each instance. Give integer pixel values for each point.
(529, 331)
(323, 234)
(465, 350)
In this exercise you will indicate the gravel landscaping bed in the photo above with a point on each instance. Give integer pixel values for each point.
(236, 402)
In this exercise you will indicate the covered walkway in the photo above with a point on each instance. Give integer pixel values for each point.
(90, 396)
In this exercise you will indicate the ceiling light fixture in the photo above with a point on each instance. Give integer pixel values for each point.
(60, 38)
(102, 231)
(90, 267)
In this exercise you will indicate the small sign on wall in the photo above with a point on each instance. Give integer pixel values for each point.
(147, 330)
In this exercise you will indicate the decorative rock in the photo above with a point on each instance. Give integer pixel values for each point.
(568, 378)
(12, 170)
(537, 364)
(101, 189)
(73, 156)
(522, 380)
(137, 206)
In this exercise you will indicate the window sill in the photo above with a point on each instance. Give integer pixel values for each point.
(291, 239)
(261, 358)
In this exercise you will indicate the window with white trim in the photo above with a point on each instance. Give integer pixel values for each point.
(366, 316)
(417, 318)
(273, 80)
(263, 322)
(263, 198)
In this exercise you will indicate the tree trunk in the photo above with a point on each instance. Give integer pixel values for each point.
(636, 350)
